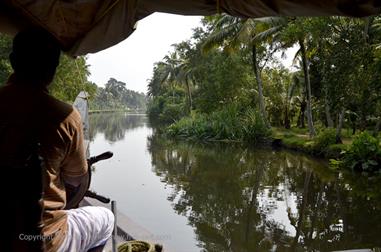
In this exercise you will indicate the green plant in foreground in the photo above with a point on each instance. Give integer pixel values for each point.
(227, 124)
(254, 127)
(363, 155)
(324, 139)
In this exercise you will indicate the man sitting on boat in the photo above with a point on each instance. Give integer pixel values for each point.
(27, 110)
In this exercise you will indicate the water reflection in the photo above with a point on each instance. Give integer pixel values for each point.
(239, 199)
(114, 125)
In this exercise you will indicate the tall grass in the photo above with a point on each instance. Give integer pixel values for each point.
(228, 124)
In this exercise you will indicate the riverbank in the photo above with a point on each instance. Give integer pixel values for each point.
(361, 152)
(292, 139)
(248, 128)
(299, 140)
(234, 125)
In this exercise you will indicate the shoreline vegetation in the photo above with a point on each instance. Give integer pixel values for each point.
(360, 152)
(228, 83)
(250, 129)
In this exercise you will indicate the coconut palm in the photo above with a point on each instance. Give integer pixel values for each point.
(185, 76)
(234, 33)
(155, 83)
(170, 68)
(287, 32)
(178, 70)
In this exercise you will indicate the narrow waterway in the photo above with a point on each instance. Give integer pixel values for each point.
(213, 197)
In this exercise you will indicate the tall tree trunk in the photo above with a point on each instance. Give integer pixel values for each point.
(189, 96)
(287, 122)
(340, 126)
(377, 127)
(363, 121)
(303, 105)
(366, 29)
(258, 77)
(353, 119)
(311, 128)
(328, 114)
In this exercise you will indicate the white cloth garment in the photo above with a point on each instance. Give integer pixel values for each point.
(88, 227)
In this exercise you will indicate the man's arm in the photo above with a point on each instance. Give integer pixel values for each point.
(74, 181)
(74, 167)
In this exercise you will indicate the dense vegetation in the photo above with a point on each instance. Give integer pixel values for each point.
(72, 78)
(115, 95)
(233, 62)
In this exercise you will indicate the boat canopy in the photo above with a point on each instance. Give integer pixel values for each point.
(89, 26)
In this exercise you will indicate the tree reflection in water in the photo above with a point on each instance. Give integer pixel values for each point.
(114, 125)
(241, 199)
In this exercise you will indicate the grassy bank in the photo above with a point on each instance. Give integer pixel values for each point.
(360, 152)
(230, 124)
(322, 145)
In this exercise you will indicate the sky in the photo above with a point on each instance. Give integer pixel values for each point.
(132, 60)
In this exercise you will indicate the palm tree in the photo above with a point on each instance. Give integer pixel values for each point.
(288, 32)
(186, 76)
(298, 96)
(178, 70)
(170, 70)
(233, 33)
(155, 83)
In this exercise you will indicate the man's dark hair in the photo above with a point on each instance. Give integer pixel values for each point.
(35, 55)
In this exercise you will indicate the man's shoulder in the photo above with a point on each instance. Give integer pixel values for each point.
(56, 104)
(63, 110)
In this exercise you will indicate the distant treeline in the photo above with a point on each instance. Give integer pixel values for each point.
(115, 95)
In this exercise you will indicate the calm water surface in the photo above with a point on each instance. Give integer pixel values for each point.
(231, 198)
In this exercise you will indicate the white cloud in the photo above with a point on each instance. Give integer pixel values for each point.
(131, 61)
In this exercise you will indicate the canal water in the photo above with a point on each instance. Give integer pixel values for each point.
(223, 197)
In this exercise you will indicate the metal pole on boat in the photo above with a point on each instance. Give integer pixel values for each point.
(114, 232)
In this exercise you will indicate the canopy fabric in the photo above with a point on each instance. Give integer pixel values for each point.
(88, 26)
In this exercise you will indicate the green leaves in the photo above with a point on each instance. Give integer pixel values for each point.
(71, 79)
(5, 66)
(228, 124)
(71, 75)
(364, 155)
(115, 96)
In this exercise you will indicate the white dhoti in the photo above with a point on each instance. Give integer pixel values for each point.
(88, 227)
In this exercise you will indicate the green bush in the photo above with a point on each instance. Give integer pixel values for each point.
(229, 123)
(323, 140)
(293, 142)
(161, 110)
(335, 150)
(155, 107)
(226, 124)
(254, 127)
(172, 113)
(364, 154)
